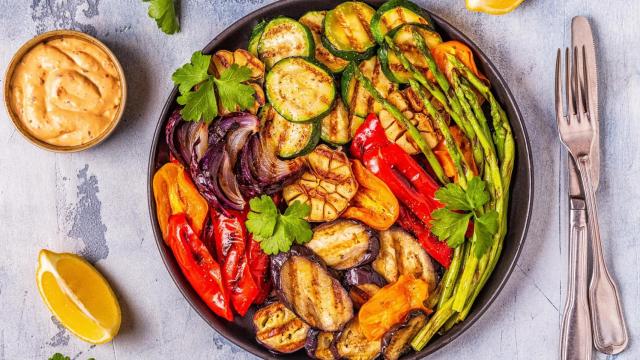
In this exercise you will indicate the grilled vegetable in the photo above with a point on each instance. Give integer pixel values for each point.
(391, 304)
(374, 203)
(356, 97)
(404, 40)
(279, 329)
(254, 38)
(327, 186)
(401, 254)
(300, 90)
(346, 31)
(396, 342)
(337, 125)
(313, 21)
(343, 244)
(360, 294)
(284, 37)
(351, 343)
(319, 345)
(223, 59)
(289, 139)
(306, 287)
(397, 133)
(394, 13)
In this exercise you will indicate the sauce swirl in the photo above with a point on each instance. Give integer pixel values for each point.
(66, 91)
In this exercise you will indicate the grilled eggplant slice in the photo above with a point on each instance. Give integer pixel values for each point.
(401, 254)
(289, 139)
(394, 13)
(279, 329)
(396, 341)
(284, 37)
(362, 283)
(397, 133)
(300, 90)
(351, 343)
(313, 21)
(346, 31)
(307, 287)
(327, 186)
(343, 244)
(356, 97)
(318, 345)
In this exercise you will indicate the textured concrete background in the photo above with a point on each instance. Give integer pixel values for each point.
(94, 203)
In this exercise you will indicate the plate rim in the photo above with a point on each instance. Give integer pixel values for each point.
(441, 342)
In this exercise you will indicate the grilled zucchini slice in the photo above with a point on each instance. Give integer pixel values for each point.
(300, 90)
(394, 13)
(403, 38)
(343, 244)
(401, 254)
(336, 126)
(352, 344)
(289, 139)
(279, 329)
(347, 33)
(254, 38)
(284, 37)
(355, 96)
(327, 187)
(313, 21)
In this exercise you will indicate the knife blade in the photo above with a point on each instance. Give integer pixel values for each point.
(582, 37)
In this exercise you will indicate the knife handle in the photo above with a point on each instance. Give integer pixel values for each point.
(609, 329)
(576, 341)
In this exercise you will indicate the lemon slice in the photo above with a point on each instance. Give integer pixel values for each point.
(494, 7)
(79, 296)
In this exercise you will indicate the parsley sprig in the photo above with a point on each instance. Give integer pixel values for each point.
(274, 231)
(451, 222)
(198, 88)
(164, 13)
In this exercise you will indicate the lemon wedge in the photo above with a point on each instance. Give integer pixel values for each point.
(494, 7)
(79, 296)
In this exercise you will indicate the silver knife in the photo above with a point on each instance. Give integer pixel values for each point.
(576, 339)
(607, 319)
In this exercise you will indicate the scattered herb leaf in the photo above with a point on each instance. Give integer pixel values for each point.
(164, 13)
(274, 231)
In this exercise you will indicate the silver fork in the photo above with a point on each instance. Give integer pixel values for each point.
(576, 133)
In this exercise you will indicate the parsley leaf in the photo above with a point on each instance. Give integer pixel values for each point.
(189, 75)
(274, 231)
(232, 91)
(200, 91)
(200, 104)
(164, 13)
(450, 226)
(460, 206)
(484, 228)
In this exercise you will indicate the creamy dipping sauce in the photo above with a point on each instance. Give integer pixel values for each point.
(66, 91)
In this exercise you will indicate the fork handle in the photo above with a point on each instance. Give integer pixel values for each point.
(575, 342)
(609, 329)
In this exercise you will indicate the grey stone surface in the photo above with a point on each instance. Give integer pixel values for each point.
(94, 202)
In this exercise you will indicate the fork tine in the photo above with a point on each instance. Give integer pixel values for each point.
(576, 74)
(569, 85)
(559, 106)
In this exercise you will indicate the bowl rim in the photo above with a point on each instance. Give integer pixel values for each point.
(8, 77)
(439, 343)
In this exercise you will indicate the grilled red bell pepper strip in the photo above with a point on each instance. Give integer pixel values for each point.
(438, 250)
(198, 266)
(408, 181)
(259, 266)
(231, 243)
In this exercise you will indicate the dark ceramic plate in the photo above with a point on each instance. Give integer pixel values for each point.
(240, 331)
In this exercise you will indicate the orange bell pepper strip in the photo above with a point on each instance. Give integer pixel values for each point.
(442, 154)
(461, 51)
(175, 193)
(374, 204)
(391, 304)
